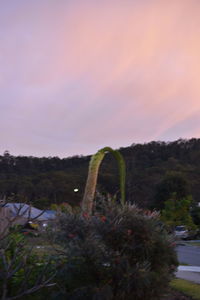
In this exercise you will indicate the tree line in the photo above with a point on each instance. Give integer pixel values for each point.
(154, 170)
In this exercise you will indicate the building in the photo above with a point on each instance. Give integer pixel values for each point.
(22, 213)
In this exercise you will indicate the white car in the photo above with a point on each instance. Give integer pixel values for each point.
(181, 232)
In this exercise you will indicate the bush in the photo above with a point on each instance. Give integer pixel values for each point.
(22, 272)
(119, 253)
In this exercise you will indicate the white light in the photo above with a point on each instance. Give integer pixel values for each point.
(44, 225)
(75, 190)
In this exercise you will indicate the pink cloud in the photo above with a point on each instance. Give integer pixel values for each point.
(77, 75)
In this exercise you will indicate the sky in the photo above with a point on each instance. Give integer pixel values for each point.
(76, 76)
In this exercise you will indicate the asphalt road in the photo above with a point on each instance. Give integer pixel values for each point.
(188, 255)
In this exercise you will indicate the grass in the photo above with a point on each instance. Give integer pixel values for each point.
(194, 244)
(186, 287)
(41, 246)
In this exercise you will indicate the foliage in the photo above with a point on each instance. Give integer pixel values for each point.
(119, 253)
(177, 212)
(195, 213)
(22, 272)
(47, 180)
(172, 183)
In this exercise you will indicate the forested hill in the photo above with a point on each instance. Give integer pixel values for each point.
(154, 171)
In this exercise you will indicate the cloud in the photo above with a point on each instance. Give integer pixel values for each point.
(76, 76)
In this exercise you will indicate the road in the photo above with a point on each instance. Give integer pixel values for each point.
(189, 255)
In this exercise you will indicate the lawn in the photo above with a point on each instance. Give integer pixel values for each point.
(186, 287)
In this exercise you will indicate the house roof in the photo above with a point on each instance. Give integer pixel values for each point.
(27, 211)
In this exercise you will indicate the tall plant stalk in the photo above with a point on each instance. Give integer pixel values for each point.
(91, 183)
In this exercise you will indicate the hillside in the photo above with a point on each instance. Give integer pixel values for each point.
(154, 170)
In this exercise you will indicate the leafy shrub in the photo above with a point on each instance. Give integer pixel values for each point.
(21, 271)
(119, 253)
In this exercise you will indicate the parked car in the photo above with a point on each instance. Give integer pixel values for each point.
(181, 232)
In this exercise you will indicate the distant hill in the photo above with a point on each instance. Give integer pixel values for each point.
(154, 170)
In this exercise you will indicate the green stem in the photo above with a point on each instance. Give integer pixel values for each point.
(91, 183)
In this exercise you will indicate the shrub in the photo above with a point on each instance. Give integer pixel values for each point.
(21, 271)
(119, 253)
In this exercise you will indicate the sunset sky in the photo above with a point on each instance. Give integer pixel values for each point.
(78, 75)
